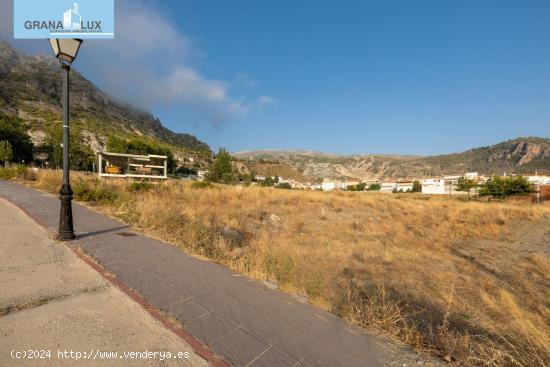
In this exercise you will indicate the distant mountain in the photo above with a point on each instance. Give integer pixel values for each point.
(31, 86)
(521, 155)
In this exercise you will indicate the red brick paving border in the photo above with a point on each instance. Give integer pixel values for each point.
(198, 347)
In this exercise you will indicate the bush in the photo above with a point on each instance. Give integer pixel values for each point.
(268, 182)
(18, 172)
(284, 185)
(374, 187)
(140, 186)
(359, 187)
(200, 184)
(93, 191)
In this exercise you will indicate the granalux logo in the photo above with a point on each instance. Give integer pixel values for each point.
(30, 22)
(72, 18)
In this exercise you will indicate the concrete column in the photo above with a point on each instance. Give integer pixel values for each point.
(100, 168)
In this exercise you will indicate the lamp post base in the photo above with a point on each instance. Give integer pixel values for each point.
(66, 231)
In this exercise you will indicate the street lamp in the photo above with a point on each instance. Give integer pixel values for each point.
(66, 50)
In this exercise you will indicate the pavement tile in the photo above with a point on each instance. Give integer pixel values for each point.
(190, 284)
(239, 312)
(330, 356)
(188, 311)
(267, 328)
(274, 357)
(353, 341)
(305, 363)
(215, 299)
(299, 343)
(239, 348)
(240, 287)
(167, 296)
(148, 284)
(210, 327)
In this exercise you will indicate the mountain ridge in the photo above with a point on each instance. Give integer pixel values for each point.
(520, 155)
(30, 88)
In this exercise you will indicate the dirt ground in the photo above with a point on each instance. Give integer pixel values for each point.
(58, 310)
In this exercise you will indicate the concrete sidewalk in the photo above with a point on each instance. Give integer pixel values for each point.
(239, 319)
(51, 302)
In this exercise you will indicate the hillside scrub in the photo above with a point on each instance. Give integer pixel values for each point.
(467, 281)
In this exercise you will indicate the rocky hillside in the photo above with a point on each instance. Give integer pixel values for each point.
(31, 86)
(522, 155)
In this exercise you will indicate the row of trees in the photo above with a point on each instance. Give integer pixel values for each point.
(16, 146)
(363, 187)
(498, 187)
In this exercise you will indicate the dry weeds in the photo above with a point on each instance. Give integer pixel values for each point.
(468, 281)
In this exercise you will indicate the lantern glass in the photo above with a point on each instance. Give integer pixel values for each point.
(65, 48)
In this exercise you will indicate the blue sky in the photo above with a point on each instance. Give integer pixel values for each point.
(418, 77)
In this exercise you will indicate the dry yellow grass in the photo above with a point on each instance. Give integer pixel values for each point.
(461, 279)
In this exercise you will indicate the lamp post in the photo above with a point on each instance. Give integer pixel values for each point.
(66, 50)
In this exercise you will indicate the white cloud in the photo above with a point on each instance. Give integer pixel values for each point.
(265, 101)
(246, 80)
(150, 64)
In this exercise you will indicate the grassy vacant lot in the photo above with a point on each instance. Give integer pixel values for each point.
(468, 281)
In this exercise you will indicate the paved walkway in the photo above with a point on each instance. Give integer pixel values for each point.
(53, 302)
(239, 319)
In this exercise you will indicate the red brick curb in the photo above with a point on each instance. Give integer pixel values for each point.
(198, 347)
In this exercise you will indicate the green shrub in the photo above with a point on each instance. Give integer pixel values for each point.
(284, 185)
(140, 186)
(200, 184)
(374, 187)
(18, 172)
(93, 191)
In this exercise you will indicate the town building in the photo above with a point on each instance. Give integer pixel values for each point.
(388, 186)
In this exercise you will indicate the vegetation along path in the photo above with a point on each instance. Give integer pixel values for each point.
(241, 320)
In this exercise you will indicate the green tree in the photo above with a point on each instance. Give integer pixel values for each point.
(81, 156)
(359, 187)
(502, 187)
(6, 152)
(374, 187)
(13, 131)
(417, 186)
(268, 181)
(284, 185)
(465, 184)
(221, 170)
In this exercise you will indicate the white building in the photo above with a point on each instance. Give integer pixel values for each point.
(471, 175)
(539, 180)
(433, 186)
(441, 185)
(389, 186)
(330, 185)
(404, 186)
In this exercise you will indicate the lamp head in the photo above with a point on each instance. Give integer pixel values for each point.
(65, 49)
